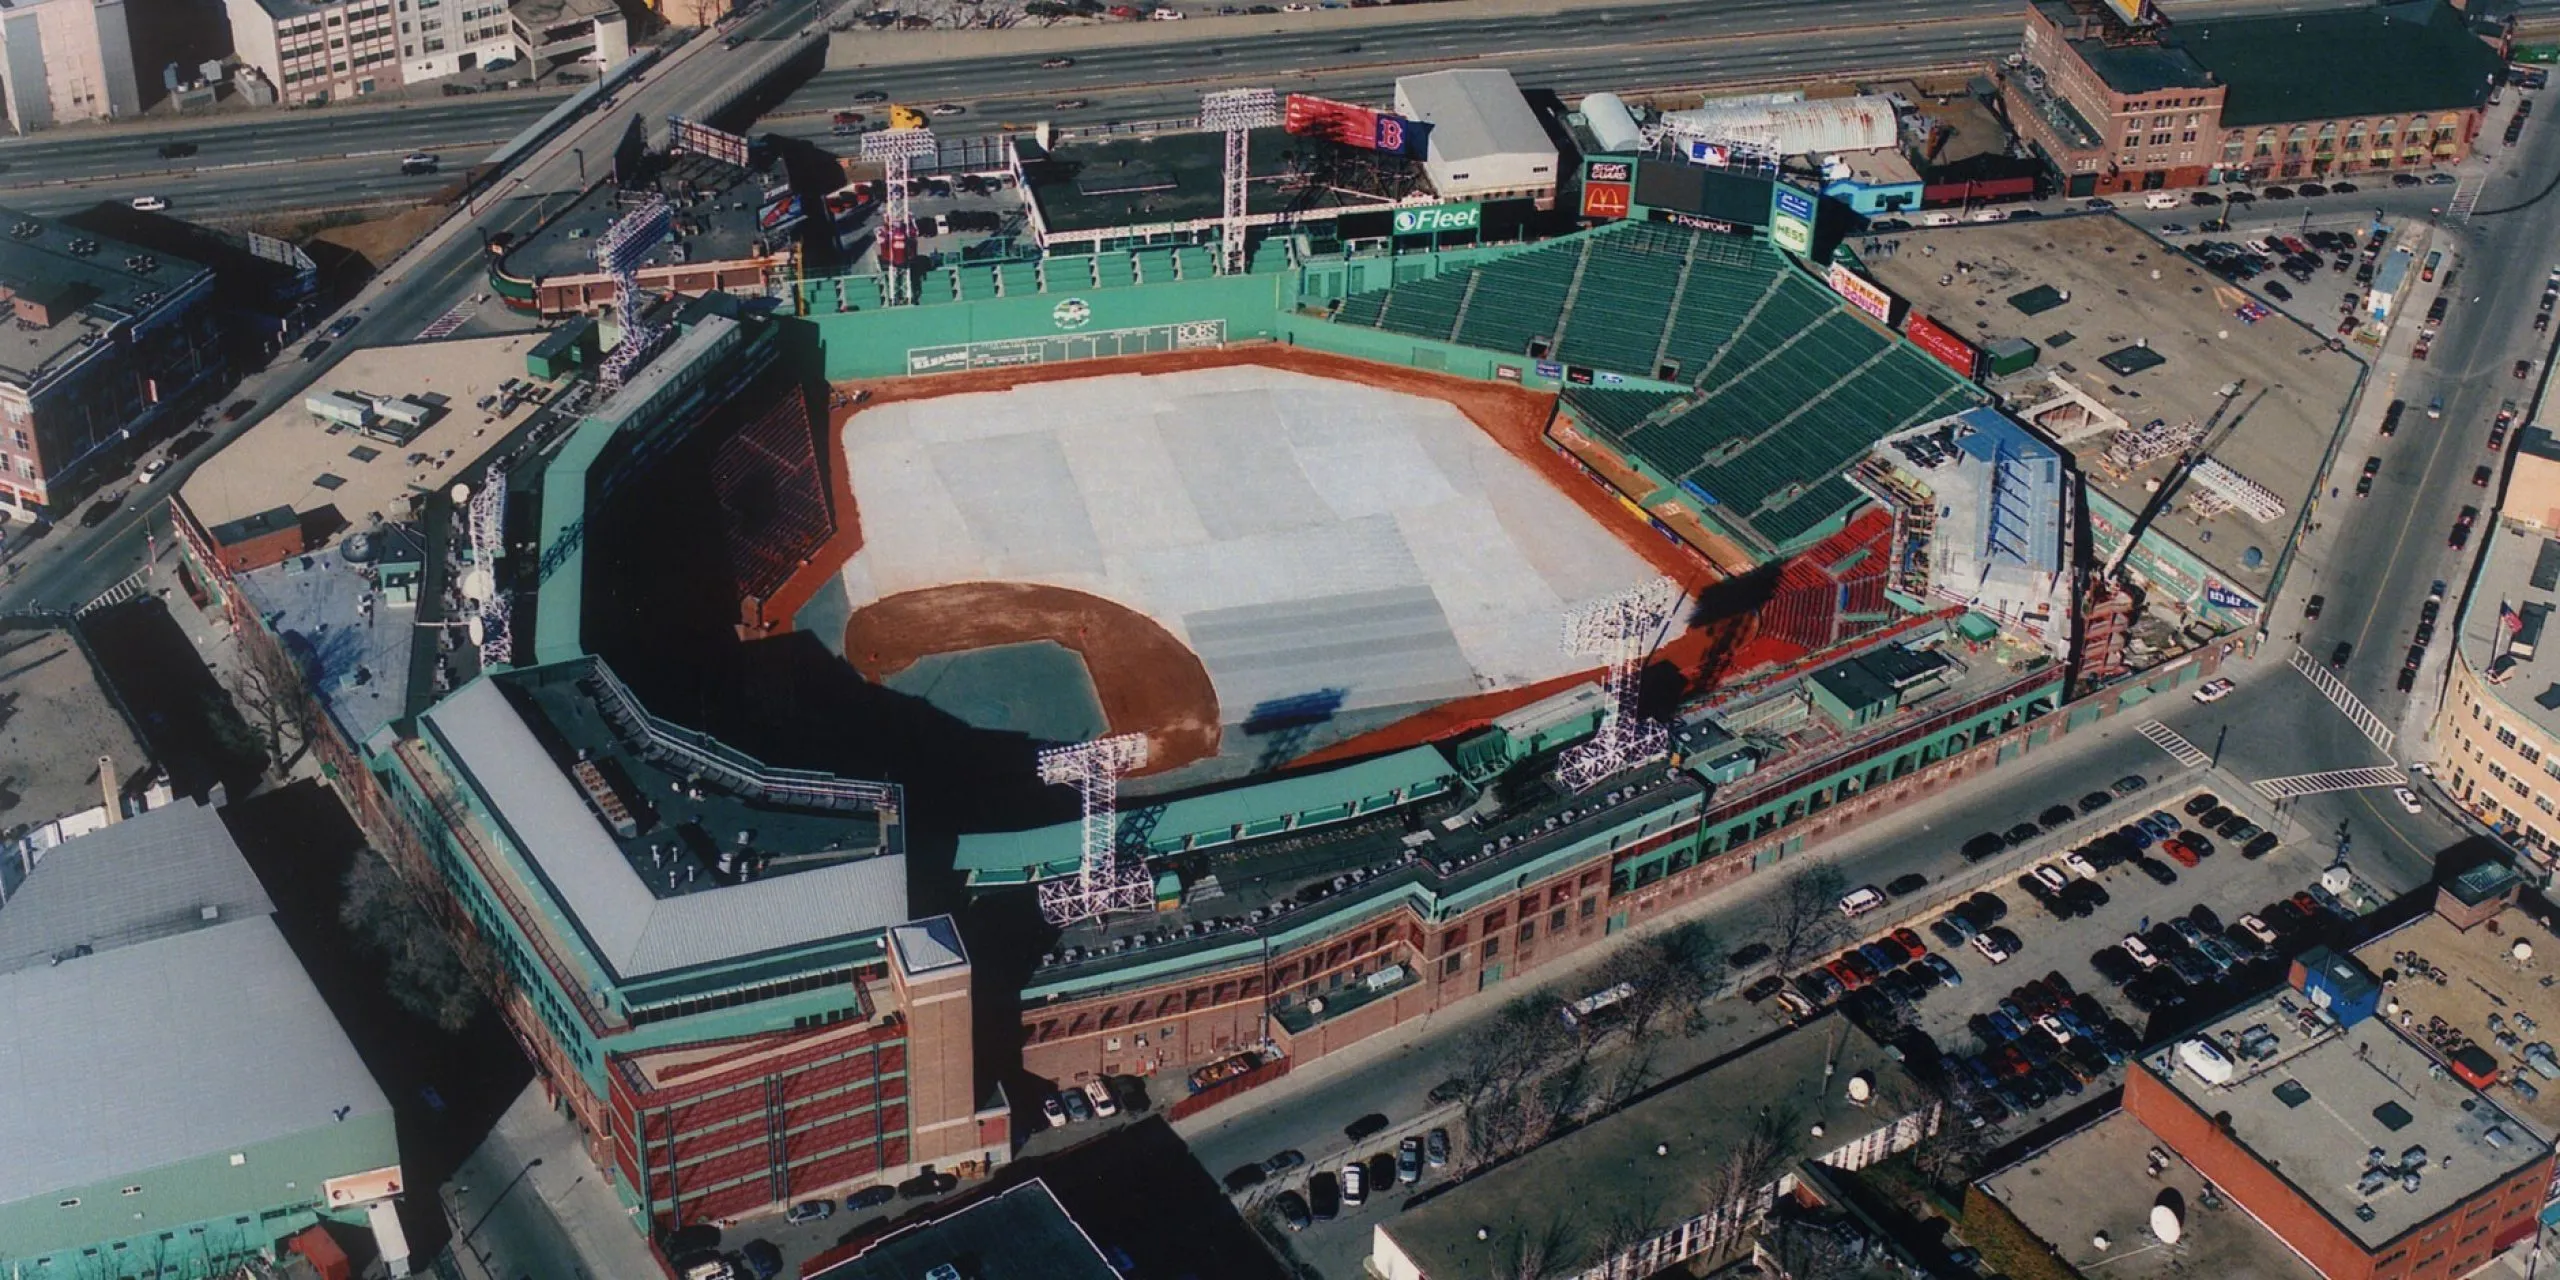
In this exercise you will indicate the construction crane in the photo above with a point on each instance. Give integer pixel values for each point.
(2216, 429)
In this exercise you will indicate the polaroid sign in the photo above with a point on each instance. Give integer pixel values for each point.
(1438, 218)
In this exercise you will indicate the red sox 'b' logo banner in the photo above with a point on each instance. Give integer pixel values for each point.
(1390, 133)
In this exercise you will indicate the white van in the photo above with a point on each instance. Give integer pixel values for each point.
(1861, 900)
(1991, 215)
(2161, 200)
(1942, 218)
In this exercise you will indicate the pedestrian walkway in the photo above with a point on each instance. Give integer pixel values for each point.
(2295, 786)
(529, 1202)
(2344, 699)
(134, 584)
(2465, 195)
(2169, 740)
(451, 320)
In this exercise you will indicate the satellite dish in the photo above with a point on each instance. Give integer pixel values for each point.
(1859, 1089)
(479, 634)
(2522, 950)
(461, 493)
(478, 584)
(2165, 1224)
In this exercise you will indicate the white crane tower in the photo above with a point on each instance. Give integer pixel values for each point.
(1621, 629)
(1237, 113)
(1102, 883)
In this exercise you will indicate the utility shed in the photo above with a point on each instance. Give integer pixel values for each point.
(1485, 142)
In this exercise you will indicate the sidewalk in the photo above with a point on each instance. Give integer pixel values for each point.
(530, 1203)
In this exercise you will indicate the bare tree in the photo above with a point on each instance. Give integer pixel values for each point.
(275, 700)
(426, 971)
(1806, 917)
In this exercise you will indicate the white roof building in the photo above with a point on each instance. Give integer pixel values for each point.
(1864, 123)
(1485, 142)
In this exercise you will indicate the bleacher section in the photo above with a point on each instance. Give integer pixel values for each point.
(1790, 385)
(772, 503)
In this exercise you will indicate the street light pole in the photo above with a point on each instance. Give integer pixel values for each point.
(500, 1198)
(581, 154)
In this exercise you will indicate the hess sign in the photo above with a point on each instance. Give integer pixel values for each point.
(1443, 217)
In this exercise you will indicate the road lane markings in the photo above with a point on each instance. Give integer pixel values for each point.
(458, 316)
(2295, 786)
(2344, 699)
(2169, 740)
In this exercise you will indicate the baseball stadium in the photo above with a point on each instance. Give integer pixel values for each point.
(755, 642)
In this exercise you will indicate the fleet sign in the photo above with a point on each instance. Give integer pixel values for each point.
(1790, 218)
(1943, 345)
(1439, 217)
(1860, 292)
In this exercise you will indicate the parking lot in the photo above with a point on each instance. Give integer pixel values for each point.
(2070, 1000)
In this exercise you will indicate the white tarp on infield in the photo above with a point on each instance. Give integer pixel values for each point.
(1315, 542)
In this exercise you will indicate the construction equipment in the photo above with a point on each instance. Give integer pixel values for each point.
(905, 117)
(2215, 429)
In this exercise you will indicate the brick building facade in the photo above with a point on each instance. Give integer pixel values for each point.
(2119, 108)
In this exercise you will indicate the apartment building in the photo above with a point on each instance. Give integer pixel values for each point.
(63, 61)
(2499, 726)
(324, 51)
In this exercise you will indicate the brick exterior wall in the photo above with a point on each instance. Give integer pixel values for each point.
(2451, 1244)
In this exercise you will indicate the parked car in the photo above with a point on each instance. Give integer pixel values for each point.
(1054, 1110)
(150, 204)
(1909, 882)
(1324, 1197)
(810, 1211)
(1293, 1210)
(1355, 1184)
(1435, 1148)
(1099, 1094)
(176, 150)
(2095, 801)
(2215, 690)
(1409, 1160)
(2408, 799)
(1742, 959)
(1365, 1127)
(869, 1198)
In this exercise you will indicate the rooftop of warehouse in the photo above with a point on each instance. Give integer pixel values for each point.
(294, 458)
(86, 283)
(1084, 186)
(654, 900)
(2362, 60)
(57, 716)
(1021, 1233)
(2519, 570)
(177, 1022)
(717, 208)
(2323, 1098)
(1474, 112)
(2081, 1187)
(1964, 277)
(2467, 977)
(1447, 844)
(1799, 1082)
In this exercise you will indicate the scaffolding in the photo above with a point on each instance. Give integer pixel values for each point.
(1915, 521)
(897, 151)
(2224, 489)
(2136, 447)
(619, 253)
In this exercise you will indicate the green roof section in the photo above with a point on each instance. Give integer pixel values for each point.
(1217, 817)
(2328, 64)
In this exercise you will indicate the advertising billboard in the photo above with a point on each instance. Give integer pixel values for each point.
(1861, 293)
(1790, 218)
(1349, 124)
(693, 136)
(1723, 195)
(2135, 13)
(1715, 154)
(1943, 345)
(1609, 171)
(1606, 199)
(1439, 217)
(1695, 223)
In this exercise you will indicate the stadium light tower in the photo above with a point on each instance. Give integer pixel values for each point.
(1237, 113)
(1102, 882)
(1621, 629)
(484, 602)
(896, 150)
(619, 253)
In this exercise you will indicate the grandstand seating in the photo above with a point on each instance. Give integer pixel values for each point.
(1194, 262)
(770, 492)
(1789, 385)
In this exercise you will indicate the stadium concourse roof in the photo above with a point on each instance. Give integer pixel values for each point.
(633, 925)
(1787, 384)
(1216, 817)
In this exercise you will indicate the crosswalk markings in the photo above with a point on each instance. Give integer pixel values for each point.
(2465, 195)
(451, 320)
(2169, 740)
(2345, 700)
(2297, 785)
